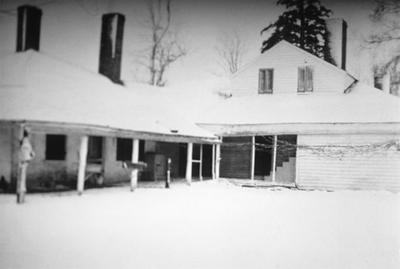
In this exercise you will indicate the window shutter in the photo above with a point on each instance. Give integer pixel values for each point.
(260, 81)
(309, 79)
(270, 80)
(300, 77)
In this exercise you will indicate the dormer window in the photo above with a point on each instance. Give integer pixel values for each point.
(305, 79)
(265, 81)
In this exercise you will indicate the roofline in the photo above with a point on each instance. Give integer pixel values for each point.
(329, 65)
(91, 129)
(318, 128)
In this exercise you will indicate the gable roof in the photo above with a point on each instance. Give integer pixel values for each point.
(288, 45)
(37, 87)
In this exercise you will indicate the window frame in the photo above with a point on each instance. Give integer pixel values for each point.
(50, 155)
(262, 80)
(306, 84)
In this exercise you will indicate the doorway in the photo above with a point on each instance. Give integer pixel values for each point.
(264, 148)
(201, 161)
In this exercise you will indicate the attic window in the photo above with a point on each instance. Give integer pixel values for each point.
(265, 81)
(305, 79)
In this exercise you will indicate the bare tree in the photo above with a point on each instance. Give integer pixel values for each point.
(165, 47)
(387, 14)
(231, 50)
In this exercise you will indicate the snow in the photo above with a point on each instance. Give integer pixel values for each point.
(191, 99)
(207, 225)
(38, 87)
(362, 105)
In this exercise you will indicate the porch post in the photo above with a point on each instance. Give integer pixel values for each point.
(274, 158)
(253, 157)
(82, 163)
(25, 155)
(217, 160)
(201, 163)
(135, 159)
(189, 163)
(213, 162)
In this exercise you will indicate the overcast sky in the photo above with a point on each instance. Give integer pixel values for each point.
(71, 31)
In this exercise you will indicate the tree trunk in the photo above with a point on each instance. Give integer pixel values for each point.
(302, 24)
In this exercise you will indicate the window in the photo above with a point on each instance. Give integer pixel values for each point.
(265, 83)
(124, 149)
(55, 147)
(305, 79)
(95, 149)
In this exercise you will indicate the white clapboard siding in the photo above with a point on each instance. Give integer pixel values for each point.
(377, 169)
(285, 59)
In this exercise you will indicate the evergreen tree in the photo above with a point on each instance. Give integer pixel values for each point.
(302, 24)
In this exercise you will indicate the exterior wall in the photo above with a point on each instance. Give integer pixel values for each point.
(236, 160)
(113, 170)
(48, 172)
(378, 169)
(285, 60)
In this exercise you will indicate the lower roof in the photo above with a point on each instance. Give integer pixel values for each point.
(362, 104)
(37, 88)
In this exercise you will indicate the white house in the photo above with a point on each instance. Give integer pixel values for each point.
(85, 123)
(295, 119)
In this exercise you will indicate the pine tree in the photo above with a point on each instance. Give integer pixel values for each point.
(302, 24)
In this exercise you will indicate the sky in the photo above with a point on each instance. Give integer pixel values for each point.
(71, 31)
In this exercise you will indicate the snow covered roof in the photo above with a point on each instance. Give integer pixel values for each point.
(296, 112)
(37, 87)
(186, 101)
(363, 104)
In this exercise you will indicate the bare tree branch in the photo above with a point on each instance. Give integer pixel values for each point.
(231, 49)
(387, 15)
(165, 47)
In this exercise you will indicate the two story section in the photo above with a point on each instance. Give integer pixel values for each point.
(295, 119)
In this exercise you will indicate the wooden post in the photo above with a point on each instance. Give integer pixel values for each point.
(21, 182)
(386, 82)
(168, 178)
(253, 157)
(135, 159)
(274, 158)
(213, 162)
(82, 163)
(201, 163)
(189, 163)
(21, 172)
(217, 160)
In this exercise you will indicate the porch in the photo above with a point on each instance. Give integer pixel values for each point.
(74, 158)
(260, 160)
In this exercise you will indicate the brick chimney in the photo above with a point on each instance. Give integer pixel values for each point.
(112, 32)
(337, 42)
(28, 28)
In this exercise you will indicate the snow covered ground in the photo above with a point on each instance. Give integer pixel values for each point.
(207, 225)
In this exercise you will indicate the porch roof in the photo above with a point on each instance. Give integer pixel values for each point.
(37, 88)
